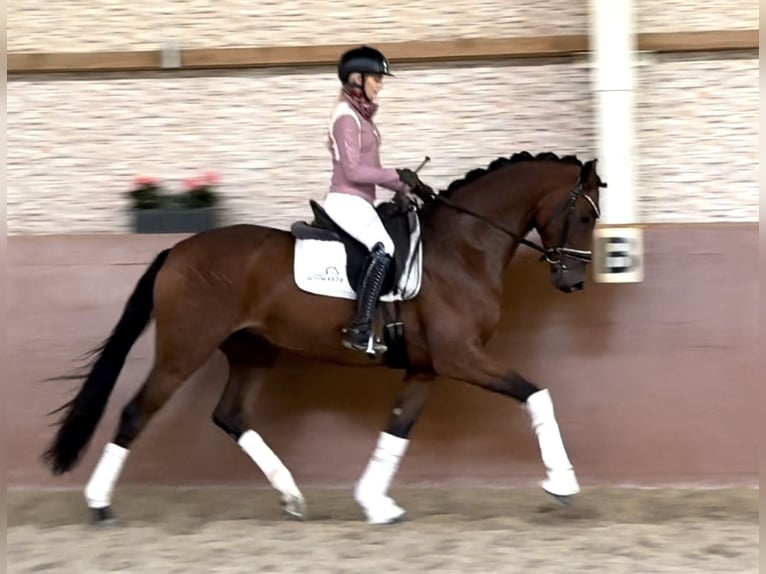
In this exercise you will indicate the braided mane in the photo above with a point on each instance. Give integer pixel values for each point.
(501, 161)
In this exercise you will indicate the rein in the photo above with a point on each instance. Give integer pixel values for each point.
(551, 255)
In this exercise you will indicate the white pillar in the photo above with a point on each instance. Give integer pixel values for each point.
(618, 256)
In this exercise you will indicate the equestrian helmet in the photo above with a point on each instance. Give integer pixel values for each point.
(364, 60)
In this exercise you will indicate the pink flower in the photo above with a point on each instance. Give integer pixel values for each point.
(210, 177)
(141, 180)
(191, 183)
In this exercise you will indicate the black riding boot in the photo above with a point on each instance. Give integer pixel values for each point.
(357, 336)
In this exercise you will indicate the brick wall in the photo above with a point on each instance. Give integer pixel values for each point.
(698, 138)
(75, 141)
(142, 24)
(88, 25)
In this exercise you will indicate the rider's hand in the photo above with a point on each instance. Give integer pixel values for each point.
(417, 187)
(424, 192)
(408, 177)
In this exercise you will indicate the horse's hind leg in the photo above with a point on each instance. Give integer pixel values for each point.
(173, 365)
(249, 356)
(156, 391)
(371, 492)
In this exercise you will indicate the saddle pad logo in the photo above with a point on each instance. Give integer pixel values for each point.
(331, 274)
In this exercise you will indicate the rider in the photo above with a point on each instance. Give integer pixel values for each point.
(354, 141)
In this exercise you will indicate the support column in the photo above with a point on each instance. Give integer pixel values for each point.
(618, 241)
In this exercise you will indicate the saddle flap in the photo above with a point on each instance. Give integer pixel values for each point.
(323, 228)
(321, 218)
(303, 230)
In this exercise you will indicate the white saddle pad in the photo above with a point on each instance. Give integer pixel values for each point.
(319, 267)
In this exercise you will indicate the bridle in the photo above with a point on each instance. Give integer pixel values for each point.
(555, 256)
(568, 208)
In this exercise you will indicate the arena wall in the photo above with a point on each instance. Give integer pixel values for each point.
(654, 383)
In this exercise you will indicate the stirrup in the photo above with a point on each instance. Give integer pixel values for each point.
(372, 346)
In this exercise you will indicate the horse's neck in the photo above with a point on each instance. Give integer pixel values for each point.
(473, 247)
(507, 196)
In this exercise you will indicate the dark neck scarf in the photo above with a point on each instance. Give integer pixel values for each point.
(354, 95)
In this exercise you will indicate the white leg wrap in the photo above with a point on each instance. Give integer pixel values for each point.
(98, 492)
(561, 476)
(277, 473)
(372, 488)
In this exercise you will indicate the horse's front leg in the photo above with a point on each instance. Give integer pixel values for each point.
(471, 364)
(371, 492)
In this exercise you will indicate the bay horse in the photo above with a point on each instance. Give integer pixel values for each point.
(233, 289)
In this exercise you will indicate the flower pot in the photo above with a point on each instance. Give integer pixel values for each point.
(174, 220)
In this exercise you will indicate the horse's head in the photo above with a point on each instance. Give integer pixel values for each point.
(565, 219)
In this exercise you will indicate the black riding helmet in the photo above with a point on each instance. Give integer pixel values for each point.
(364, 60)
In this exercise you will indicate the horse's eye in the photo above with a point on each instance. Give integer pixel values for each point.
(585, 219)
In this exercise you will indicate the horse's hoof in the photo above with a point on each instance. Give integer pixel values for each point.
(103, 516)
(385, 511)
(403, 517)
(563, 500)
(394, 519)
(295, 506)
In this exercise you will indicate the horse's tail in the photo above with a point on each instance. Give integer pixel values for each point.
(85, 410)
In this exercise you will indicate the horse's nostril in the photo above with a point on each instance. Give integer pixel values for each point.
(579, 286)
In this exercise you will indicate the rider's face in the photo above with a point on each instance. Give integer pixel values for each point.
(373, 83)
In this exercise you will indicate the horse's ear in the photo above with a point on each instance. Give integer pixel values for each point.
(598, 179)
(589, 170)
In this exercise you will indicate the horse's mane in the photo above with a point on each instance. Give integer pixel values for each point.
(501, 161)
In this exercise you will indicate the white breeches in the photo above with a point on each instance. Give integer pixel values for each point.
(359, 219)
